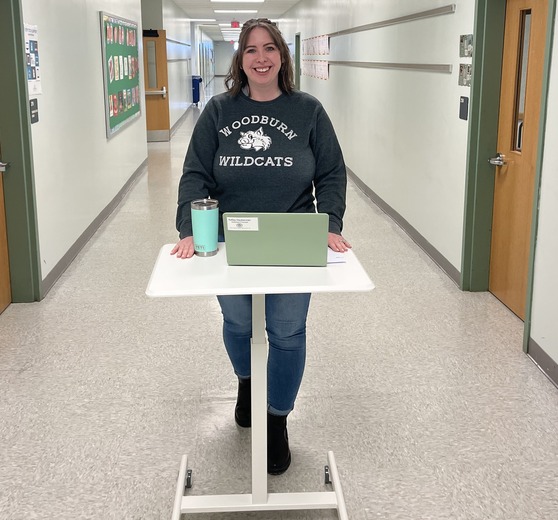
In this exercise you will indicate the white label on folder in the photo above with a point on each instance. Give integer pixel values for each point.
(242, 224)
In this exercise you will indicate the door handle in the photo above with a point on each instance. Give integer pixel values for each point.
(162, 92)
(498, 160)
(4, 166)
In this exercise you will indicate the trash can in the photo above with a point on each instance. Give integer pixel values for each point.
(196, 80)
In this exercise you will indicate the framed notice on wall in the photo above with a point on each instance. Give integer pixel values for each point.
(32, 54)
(119, 39)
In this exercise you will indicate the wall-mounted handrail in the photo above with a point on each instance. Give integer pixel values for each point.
(424, 67)
(179, 42)
(448, 9)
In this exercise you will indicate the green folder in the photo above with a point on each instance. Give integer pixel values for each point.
(283, 239)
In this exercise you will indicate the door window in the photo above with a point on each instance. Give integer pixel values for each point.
(521, 81)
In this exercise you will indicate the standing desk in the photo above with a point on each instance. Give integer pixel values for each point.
(212, 276)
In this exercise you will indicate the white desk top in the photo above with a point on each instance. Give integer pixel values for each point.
(202, 276)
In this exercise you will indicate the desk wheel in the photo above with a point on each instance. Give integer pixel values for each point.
(188, 479)
(327, 475)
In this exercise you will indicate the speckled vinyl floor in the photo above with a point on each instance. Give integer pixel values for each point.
(422, 391)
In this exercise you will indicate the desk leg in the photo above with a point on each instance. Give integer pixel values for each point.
(260, 499)
(180, 488)
(259, 401)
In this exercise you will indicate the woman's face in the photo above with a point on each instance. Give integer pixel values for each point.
(261, 60)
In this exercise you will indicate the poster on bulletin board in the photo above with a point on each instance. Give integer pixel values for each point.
(119, 39)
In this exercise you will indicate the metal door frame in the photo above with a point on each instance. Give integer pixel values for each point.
(482, 144)
(15, 136)
(297, 51)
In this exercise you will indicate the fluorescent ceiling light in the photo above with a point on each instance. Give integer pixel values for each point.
(240, 1)
(233, 11)
(200, 19)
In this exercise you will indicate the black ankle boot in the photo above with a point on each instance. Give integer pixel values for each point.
(243, 408)
(278, 453)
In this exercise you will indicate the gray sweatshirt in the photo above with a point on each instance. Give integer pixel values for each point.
(271, 156)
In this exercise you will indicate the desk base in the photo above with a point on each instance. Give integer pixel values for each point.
(275, 501)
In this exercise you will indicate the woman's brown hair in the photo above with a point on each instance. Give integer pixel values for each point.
(236, 79)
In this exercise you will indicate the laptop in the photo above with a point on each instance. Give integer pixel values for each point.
(281, 239)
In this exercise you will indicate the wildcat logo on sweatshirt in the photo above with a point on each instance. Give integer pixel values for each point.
(254, 140)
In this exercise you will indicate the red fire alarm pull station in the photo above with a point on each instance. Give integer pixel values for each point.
(235, 24)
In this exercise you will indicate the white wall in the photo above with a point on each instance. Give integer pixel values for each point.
(206, 56)
(399, 130)
(78, 171)
(151, 14)
(544, 325)
(223, 57)
(179, 59)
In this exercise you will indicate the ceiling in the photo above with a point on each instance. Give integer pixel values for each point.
(204, 9)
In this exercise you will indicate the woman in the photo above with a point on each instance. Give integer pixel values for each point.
(263, 147)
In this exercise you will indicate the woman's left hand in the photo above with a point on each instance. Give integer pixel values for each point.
(337, 243)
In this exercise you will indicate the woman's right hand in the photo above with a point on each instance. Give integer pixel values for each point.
(184, 248)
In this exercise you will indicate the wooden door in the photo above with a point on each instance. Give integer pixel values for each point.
(5, 287)
(518, 135)
(156, 86)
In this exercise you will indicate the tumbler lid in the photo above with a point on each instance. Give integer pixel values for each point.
(204, 204)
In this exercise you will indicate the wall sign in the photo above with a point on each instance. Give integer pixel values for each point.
(315, 69)
(34, 110)
(119, 38)
(466, 46)
(465, 73)
(317, 45)
(32, 55)
(464, 108)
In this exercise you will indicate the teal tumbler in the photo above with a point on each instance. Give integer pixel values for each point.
(205, 226)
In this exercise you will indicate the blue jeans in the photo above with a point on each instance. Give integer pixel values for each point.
(285, 316)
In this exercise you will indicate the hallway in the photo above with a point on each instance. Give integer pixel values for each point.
(421, 390)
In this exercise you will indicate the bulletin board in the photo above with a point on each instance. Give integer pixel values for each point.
(119, 38)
